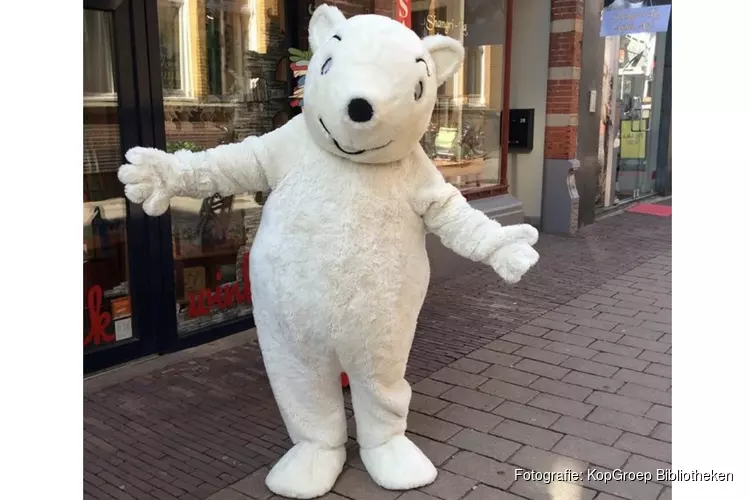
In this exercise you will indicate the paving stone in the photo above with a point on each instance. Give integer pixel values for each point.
(508, 391)
(503, 346)
(582, 304)
(254, 485)
(620, 361)
(552, 324)
(431, 427)
(541, 369)
(561, 405)
(659, 370)
(619, 403)
(469, 365)
(484, 492)
(631, 489)
(534, 331)
(660, 414)
(437, 452)
(621, 420)
(587, 430)
(430, 387)
(225, 494)
(535, 459)
(417, 495)
(644, 344)
(510, 375)
(484, 444)
(527, 434)
(561, 389)
(569, 338)
(571, 350)
(663, 432)
(636, 391)
(556, 490)
(524, 341)
(494, 357)
(597, 333)
(426, 404)
(472, 398)
(483, 469)
(619, 349)
(666, 494)
(643, 379)
(589, 451)
(469, 417)
(645, 446)
(577, 311)
(618, 319)
(357, 485)
(588, 366)
(526, 414)
(593, 381)
(449, 486)
(456, 377)
(542, 355)
(594, 322)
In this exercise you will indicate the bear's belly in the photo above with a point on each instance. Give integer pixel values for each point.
(345, 247)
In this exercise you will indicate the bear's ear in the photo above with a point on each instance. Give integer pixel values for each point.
(323, 24)
(446, 52)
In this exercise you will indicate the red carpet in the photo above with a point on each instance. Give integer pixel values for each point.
(651, 209)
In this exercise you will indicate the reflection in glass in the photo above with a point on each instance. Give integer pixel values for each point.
(106, 296)
(463, 138)
(231, 58)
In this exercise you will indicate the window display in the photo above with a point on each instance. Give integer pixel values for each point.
(463, 138)
(224, 71)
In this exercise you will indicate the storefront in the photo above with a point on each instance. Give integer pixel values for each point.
(193, 74)
(636, 130)
(174, 74)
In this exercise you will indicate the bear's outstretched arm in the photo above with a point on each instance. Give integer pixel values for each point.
(153, 177)
(469, 232)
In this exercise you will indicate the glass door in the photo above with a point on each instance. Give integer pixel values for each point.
(115, 309)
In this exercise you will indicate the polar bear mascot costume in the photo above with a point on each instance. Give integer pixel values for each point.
(339, 269)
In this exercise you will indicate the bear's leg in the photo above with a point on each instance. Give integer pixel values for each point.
(381, 396)
(307, 386)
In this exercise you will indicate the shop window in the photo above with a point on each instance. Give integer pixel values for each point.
(202, 46)
(98, 74)
(463, 138)
(228, 89)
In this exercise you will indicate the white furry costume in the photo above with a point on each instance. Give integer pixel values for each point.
(339, 268)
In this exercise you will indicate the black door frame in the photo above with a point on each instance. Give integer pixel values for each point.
(129, 95)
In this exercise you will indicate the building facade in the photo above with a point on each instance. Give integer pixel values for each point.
(193, 74)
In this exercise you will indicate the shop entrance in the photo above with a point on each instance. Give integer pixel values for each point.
(175, 74)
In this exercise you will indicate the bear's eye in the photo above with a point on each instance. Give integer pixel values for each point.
(418, 90)
(326, 66)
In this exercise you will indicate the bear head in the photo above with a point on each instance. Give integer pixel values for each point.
(372, 83)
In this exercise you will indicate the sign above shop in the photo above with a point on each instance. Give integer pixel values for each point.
(616, 22)
(403, 12)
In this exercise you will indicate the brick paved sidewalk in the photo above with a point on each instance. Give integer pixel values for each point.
(570, 369)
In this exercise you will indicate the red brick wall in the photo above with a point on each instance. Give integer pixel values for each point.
(563, 85)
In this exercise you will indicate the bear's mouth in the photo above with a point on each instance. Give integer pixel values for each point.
(338, 146)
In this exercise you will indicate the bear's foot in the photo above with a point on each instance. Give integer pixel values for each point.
(306, 471)
(398, 465)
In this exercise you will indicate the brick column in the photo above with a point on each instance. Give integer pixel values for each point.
(559, 193)
(565, 40)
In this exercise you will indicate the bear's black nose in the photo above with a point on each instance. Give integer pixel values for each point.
(360, 110)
